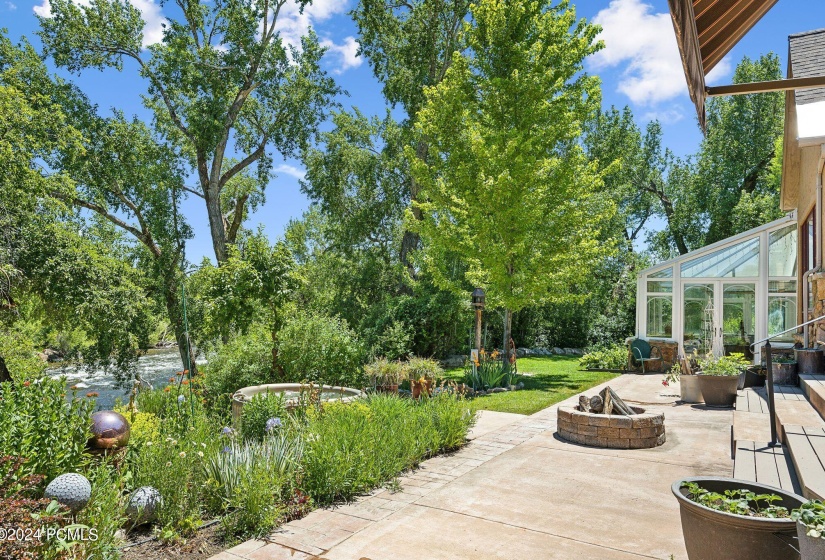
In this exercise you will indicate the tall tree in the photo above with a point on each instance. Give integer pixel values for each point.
(507, 187)
(410, 46)
(221, 83)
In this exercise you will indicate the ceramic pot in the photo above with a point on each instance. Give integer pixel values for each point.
(715, 535)
(689, 387)
(718, 390)
(811, 548)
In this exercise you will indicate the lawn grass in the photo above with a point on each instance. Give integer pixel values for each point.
(551, 380)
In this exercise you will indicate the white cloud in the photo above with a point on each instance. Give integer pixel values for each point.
(346, 53)
(665, 116)
(292, 25)
(10, 6)
(291, 170)
(645, 43)
(151, 13)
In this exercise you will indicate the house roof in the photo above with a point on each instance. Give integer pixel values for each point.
(807, 60)
(706, 30)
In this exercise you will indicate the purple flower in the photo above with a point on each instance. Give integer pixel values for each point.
(273, 423)
(181, 398)
(225, 449)
(227, 431)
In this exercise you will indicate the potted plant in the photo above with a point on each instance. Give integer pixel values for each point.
(423, 373)
(753, 377)
(736, 519)
(688, 384)
(719, 378)
(386, 375)
(810, 528)
(784, 370)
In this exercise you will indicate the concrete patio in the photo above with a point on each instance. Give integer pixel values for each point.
(517, 491)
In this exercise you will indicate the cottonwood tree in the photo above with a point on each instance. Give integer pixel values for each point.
(506, 185)
(410, 45)
(222, 83)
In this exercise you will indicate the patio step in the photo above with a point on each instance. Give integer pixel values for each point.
(764, 464)
(807, 450)
(792, 408)
(813, 385)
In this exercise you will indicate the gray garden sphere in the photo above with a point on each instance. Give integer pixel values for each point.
(143, 505)
(72, 490)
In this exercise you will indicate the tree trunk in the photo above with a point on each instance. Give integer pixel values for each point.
(508, 329)
(5, 374)
(175, 312)
(216, 224)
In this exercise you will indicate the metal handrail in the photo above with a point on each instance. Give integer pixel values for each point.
(769, 367)
(805, 324)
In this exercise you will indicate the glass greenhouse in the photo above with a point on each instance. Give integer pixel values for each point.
(725, 296)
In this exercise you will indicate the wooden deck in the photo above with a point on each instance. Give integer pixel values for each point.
(766, 465)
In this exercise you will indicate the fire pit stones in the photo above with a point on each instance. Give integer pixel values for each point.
(640, 431)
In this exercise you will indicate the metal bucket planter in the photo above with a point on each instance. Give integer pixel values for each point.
(718, 390)
(810, 360)
(811, 548)
(689, 387)
(785, 374)
(717, 535)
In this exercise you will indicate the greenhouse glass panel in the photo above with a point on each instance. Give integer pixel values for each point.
(664, 273)
(659, 316)
(782, 251)
(736, 261)
(781, 316)
(660, 287)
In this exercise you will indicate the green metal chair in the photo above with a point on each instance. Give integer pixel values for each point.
(642, 353)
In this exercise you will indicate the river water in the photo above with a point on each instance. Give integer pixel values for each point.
(155, 368)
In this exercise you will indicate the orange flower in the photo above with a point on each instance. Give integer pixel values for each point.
(73, 387)
(171, 380)
(92, 394)
(185, 382)
(166, 389)
(179, 373)
(26, 383)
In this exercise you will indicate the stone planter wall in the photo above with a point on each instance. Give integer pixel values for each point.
(644, 430)
(669, 350)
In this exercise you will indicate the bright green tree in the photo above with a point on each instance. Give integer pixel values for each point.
(508, 189)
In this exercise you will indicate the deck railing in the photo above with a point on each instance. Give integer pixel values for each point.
(769, 365)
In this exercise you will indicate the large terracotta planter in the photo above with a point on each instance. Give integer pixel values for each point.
(716, 535)
(718, 390)
(811, 548)
(689, 388)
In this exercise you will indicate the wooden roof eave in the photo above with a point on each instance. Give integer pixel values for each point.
(684, 24)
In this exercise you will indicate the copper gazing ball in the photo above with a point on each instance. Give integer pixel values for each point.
(109, 429)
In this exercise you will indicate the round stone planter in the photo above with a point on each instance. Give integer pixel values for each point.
(641, 431)
(689, 388)
(811, 548)
(718, 390)
(785, 374)
(291, 393)
(714, 535)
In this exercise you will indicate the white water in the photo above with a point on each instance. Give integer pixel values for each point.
(155, 368)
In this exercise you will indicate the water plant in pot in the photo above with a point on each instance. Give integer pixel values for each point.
(719, 378)
(423, 373)
(386, 375)
(810, 528)
(784, 370)
(736, 519)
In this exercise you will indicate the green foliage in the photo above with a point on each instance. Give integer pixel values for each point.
(353, 447)
(738, 502)
(105, 512)
(812, 515)
(506, 189)
(489, 373)
(244, 361)
(143, 426)
(416, 368)
(723, 365)
(258, 412)
(611, 357)
(384, 372)
(322, 349)
(40, 423)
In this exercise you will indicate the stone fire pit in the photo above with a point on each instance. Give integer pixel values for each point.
(635, 430)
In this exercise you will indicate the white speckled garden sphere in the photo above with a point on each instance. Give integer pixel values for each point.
(143, 505)
(72, 490)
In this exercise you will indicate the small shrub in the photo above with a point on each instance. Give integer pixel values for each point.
(726, 366)
(424, 367)
(489, 372)
(244, 361)
(143, 426)
(384, 372)
(105, 513)
(38, 422)
(610, 357)
(321, 349)
(258, 412)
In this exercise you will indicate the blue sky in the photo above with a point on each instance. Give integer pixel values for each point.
(639, 67)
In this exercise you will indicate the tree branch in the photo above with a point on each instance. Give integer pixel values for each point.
(243, 164)
(237, 219)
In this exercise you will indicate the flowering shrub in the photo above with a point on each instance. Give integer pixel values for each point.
(39, 423)
(259, 413)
